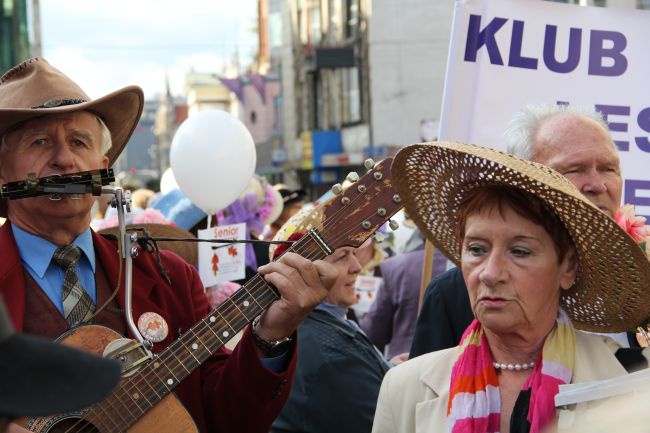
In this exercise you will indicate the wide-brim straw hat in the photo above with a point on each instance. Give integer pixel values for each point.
(35, 88)
(612, 288)
(188, 251)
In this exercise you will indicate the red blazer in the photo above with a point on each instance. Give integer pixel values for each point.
(230, 392)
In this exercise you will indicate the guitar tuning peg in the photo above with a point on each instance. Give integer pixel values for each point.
(369, 163)
(379, 237)
(394, 225)
(352, 176)
(337, 189)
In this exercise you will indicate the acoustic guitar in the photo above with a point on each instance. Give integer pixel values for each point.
(144, 401)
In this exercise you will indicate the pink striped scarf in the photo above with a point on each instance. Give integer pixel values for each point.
(474, 397)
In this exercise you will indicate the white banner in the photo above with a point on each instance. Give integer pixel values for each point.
(222, 262)
(505, 54)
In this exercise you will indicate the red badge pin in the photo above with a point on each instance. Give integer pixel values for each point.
(153, 327)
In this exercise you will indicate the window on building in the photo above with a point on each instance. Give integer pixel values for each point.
(351, 95)
(313, 102)
(253, 117)
(309, 22)
(314, 24)
(351, 18)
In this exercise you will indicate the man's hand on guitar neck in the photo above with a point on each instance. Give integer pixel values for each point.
(302, 285)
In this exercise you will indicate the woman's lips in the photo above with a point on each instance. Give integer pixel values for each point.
(493, 302)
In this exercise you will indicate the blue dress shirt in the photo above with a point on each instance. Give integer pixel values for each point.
(36, 256)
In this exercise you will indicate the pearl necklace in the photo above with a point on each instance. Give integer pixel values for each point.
(515, 367)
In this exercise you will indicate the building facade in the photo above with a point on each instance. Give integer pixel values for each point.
(14, 34)
(325, 88)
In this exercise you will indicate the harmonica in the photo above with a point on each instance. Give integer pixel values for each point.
(83, 182)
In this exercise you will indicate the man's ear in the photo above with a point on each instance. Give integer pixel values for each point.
(570, 265)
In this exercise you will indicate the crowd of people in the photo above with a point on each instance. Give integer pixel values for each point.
(535, 284)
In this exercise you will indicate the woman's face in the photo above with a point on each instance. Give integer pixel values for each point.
(346, 263)
(512, 272)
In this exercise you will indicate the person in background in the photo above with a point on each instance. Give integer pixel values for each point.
(178, 209)
(536, 256)
(292, 201)
(140, 198)
(40, 378)
(370, 255)
(573, 140)
(392, 316)
(56, 273)
(339, 371)
(258, 206)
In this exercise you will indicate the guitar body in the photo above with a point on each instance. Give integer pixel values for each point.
(167, 416)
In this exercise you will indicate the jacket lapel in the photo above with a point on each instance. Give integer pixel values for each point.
(431, 413)
(12, 277)
(595, 359)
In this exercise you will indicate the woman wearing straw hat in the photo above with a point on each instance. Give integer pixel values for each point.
(539, 261)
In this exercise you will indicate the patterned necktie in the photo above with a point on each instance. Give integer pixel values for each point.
(77, 305)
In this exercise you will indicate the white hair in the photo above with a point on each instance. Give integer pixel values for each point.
(520, 134)
(105, 133)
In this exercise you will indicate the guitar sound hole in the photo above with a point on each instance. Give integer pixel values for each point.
(72, 425)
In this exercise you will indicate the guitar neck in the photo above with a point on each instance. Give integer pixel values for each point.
(139, 393)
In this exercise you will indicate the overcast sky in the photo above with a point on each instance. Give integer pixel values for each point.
(107, 44)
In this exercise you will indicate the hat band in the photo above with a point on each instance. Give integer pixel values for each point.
(60, 103)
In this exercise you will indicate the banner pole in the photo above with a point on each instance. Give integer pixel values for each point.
(427, 270)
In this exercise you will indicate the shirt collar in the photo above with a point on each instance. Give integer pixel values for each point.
(334, 310)
(37, 252)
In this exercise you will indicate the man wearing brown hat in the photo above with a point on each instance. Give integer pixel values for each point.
(55, 272)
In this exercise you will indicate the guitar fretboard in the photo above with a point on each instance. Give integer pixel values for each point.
(139, 393)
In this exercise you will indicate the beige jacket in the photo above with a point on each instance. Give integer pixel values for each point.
(414, 395)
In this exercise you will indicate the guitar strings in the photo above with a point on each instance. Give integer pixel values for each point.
(310, 255)
(266, 298)
(230, 322)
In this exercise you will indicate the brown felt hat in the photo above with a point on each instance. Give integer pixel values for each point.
(34, 89)
(612, 289)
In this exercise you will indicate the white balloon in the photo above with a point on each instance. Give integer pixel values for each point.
(213, 158)
(167, 181)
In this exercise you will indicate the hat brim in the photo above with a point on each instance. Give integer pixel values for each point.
(120, 110)
(611, 290)
(188, 251)
(39, 377)
(302, 221)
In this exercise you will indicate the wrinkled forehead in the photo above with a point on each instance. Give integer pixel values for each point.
(43, 122)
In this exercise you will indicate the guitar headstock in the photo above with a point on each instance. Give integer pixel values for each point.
(353, 215)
